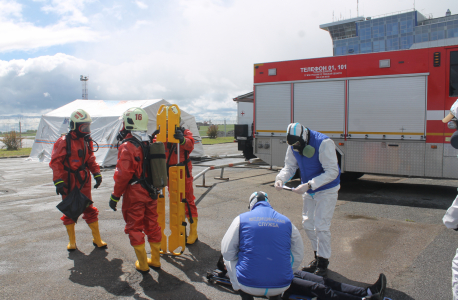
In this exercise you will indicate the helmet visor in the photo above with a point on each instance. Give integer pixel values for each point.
(85, 128)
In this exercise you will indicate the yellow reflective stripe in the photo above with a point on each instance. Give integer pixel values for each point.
(111, 197)
(58, 182)
(100, 175)
(439, 133)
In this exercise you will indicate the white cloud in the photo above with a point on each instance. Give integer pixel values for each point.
(69, 10)
(47, 95)
(26, 36)
(141, 23)
(10, 8)
(141, 5)
(196, 53)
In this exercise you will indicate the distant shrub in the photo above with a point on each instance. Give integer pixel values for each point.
(212, 131)
(11, 140)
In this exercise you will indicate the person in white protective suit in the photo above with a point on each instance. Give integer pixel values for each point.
(315, 155)
(261, 250)
(451, 216)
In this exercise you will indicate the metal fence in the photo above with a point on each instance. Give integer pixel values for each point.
(18, 124)
(225, 126)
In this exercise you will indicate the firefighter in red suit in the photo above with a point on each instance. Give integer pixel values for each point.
(78, 171)
(186, 147)
(138, 208)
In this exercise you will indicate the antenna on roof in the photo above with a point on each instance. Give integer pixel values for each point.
(357, 8)
(84, 80)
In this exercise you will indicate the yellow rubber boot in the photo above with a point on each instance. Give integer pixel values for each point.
(155, 260)
(71, 236)
(97, 240)
(192, 238)
(142, 260)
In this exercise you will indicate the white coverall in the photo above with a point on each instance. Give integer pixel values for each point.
(318, 208)
(451, 221)
(230, 250)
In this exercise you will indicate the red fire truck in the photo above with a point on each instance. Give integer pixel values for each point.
(383, 110)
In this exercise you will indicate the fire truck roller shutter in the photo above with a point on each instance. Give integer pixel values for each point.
(273, 109)
(273, 114)
(321, 106)
(394, 107)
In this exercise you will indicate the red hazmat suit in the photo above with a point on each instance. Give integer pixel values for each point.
(138, 209)
(59, 161)
(185, 151)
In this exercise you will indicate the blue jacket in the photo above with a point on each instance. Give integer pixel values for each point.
(264, 248)
(311, 167)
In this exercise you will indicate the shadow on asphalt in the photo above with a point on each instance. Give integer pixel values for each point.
(96, 270)
(392, 193)
(399, 194)
(165, 284)
(390, 293)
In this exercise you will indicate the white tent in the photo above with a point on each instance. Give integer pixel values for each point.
(106, 123)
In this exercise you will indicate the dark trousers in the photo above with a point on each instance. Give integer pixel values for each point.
(311, 285)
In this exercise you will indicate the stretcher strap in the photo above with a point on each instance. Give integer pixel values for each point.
(189, 210)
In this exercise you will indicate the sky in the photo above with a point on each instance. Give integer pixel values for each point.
(198, 54)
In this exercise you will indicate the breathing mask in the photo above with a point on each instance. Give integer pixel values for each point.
(82, 129)
(122, 134)
(299, 141)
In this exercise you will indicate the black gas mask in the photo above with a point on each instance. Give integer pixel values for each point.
(298, 142)
(122, 134)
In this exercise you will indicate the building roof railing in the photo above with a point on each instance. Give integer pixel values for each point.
(391, 14)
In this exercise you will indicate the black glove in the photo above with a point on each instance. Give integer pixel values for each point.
(60, 185)
(456, 229)
(113, 202)
(179, 135)
(98, 180)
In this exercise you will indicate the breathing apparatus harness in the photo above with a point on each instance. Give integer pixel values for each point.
(144, 181)
(82, 154)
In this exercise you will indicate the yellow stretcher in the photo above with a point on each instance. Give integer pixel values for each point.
(168, 118)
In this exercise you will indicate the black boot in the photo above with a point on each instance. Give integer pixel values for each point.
(311, 266)
(378, 288)
(245, 296)
(322, 266)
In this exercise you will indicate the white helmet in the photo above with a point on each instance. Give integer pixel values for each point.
(136, 119)
(256, 197)
(80, 122)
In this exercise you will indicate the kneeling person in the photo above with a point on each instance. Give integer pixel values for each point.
(261, 250)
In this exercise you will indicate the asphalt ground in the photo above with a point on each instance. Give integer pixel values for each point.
(381, 224)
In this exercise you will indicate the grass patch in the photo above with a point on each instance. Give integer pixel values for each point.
(203, 129)
(218, 140)
(20, 152)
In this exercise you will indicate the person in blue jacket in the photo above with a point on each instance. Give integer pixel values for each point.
(261, 250)
(314, 154)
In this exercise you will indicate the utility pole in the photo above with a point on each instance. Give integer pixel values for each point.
(20, 135)
(84, 80)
